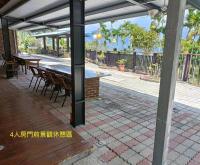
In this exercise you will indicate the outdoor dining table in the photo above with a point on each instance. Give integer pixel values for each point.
(92, 78)
(27, 59)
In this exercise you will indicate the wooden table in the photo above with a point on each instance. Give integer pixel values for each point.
(27, 59)
(92, 78)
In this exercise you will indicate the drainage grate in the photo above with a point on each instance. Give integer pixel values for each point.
(1, 147)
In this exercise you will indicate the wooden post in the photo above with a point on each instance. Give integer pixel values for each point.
(186, 67)
(175, 17)
(134, 61)
(154, 61)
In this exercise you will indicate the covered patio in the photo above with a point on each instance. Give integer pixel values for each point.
(122, 124)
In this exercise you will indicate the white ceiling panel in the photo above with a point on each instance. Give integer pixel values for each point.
(98, 3)
(126, 10)
(53, 15)
(31, 7)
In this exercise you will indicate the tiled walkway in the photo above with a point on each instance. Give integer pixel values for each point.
(121, 123)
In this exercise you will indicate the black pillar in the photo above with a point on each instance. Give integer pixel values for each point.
(57, 45)
(77, 27)
(67, 42)
(6, 44)
(44, 43)
(53, 43)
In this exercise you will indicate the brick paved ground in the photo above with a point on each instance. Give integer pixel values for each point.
(121, 123)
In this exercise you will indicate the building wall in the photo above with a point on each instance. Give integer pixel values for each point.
(12, 42)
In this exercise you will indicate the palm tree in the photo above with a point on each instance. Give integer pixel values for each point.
(193, 24)
(106, 33)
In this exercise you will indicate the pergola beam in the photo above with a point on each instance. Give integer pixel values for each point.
(194, 3)
(175, 18)
(91, 12)
(31, 22)
(145, 4)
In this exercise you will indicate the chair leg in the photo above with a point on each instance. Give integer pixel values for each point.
(31, 82)
(56, 96)
(64, 100)
(52, 93)
(38, 84)
(43, 89)
(35, 84)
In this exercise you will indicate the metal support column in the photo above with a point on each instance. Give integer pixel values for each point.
(53, 43)
(77, 20)
(6, 44)
(57, 45)
(44, 43)
(67, 42)
(175, 17)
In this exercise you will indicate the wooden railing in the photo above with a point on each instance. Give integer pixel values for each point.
(188, 64)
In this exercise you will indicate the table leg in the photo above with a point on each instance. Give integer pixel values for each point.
(25, 68)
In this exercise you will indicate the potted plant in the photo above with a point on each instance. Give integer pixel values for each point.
(101, 57)
(121, 64)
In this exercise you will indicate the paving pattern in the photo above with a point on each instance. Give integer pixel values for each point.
(121, 123)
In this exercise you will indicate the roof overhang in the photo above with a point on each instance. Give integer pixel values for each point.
(31, 15)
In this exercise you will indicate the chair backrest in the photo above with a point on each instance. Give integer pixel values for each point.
(49, 76)
(66, 82)
(33, 70)
(41, 72)
(3, 56)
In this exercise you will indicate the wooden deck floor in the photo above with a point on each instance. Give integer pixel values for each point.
(20, 112)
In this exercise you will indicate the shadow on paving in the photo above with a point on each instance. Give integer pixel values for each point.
(123, 121)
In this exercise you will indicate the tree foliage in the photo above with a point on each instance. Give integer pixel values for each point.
(25, 41)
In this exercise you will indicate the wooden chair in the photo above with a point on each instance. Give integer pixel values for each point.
(55, 82)
(35, 75)
(21, 63)
(51, 81)
(4, 60)
(48, 82)
(66, 85)
(42, 76)
(12, 66)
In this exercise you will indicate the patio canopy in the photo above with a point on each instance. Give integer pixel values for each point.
(31, 15)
